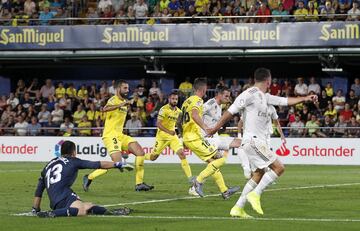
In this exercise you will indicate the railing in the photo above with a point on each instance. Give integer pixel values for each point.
(177, 19)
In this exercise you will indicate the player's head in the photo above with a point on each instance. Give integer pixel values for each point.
(68, 149)
(122, 88)
(263, 75)
(223, 94)
(200, 86)
(173, 98)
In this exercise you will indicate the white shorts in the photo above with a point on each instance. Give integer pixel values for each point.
(220, 142)
(259, 154)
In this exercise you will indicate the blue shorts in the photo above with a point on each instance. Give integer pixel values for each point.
(67, 201)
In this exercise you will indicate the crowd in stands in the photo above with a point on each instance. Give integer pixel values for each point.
(20, 12)
(65, 110)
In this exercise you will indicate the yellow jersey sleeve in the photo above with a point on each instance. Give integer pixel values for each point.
(191, 131)
(115, 120)
(168, 117)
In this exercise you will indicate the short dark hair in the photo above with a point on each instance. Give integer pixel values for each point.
(221, 89)
(67, 148)
(119, 82)
(261, 74)
(199, 82)
(174, 93)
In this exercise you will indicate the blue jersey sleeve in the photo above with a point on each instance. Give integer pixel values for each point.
(41, 186)
(86, 164)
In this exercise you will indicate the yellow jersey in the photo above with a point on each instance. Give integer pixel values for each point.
(115, 120)
(60, 92)
(86, 124)
(93, 115)
(71, 92)
(191, 131)
(82, 93)
(168, 117)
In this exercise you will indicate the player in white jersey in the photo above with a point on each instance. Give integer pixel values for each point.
(212, 114)
(253, 103)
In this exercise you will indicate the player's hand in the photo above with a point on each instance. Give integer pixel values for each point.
(34, 211)
(313, 98)
(173, 133)
(210, 131)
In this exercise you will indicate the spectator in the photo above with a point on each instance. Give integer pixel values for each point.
(346, 113)
(19, 110)
(164, 4)
(84, 123)
(327, 13)
(60, 91)
(97, 131)
(21, 126)
(353, 128)
(6, 16)
(136, 102)
(8, 126)
(92, 114)
(263, 11)
(300, 12)
(340, 127)
(66, 125)
(354, 12)
(199, 5)
(339, 100)
(44, 116)
(314, 86)
(323, 101)
(235, 87)
(312, 16)
(329, 90)
(327, 126)
(47, 89)
(352, 99)
(71, 91)
(92, 16)
(12, 100)
(312, 128)
(305, 113)
(45, 16)
(82, 92)
(104, 4)
(296, 127)
(50, 103)
(186, 87)
(79, 114)
(59, 17)
(38, 102)
(43, 4)
(34, 128)
(301, 89)
(21, 89)
(31, 113)
(274, 4)
(132, 124)
(26, 101)
(55, 5)
(112, 88)
(141, 10)
(57, 115)
(155, 89)
(34, 88)
(106, 16)
(356, 87)
(331, 112)
(248, 84)
(174, 6)
(6, 115)
(275, 88)
(280, 11)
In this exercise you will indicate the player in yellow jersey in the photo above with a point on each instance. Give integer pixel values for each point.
(115, 141)
(169, 116)
(192, 123)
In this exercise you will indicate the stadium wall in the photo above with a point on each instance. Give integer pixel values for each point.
(325, 151)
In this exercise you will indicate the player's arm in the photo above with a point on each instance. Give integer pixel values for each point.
(197, 119)
(108, 108)
(38, 195)
(163, 128)
(179, 124)
(278, 126)
(282, 101)
(86, 164)
(240, 127)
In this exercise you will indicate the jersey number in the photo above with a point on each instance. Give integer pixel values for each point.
(53, 175)
(185, 116)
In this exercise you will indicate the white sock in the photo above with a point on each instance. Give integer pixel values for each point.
(250, 185)
(268, 178)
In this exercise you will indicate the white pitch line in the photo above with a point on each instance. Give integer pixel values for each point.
(235, 219)
(19, 170)
(215, 195)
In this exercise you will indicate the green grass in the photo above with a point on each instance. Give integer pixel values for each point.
(18, 182)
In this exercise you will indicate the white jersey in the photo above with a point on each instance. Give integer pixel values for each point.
(211, 113)
(254, 105)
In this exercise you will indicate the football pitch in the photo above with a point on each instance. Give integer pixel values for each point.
(304, 198)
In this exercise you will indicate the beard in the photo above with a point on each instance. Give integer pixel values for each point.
(173, 104)
(124, 95)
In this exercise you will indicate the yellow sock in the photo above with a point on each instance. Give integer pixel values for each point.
(139, 166)
(210, 169)
(186, 168)
(219, 180)
(97, 173)
(148, 156)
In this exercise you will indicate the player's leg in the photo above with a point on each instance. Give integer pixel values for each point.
(245, 164)
(92, 209)
(159, 146)
(135, 148)
(113, 146)
(235, 143)
(70, 206)
(178, 148)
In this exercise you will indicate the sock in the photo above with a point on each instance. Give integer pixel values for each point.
(210, 169)
(250, 185)
(186, 168)
(139, 166)
(97, 173)
(219, 180)
(97, 210)
(244, 159)
(148, 156)
(66, 212)
(268, 178)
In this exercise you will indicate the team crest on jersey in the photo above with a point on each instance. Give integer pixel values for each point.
(199, 103)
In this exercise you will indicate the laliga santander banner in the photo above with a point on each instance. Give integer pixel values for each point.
(319, 151)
